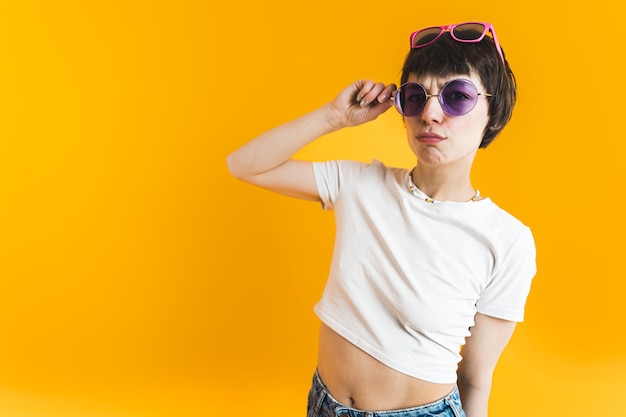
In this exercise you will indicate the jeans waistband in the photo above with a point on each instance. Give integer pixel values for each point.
(322, 404)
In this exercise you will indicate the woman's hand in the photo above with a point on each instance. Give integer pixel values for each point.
(359, 103)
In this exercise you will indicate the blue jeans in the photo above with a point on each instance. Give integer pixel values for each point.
(322, 404)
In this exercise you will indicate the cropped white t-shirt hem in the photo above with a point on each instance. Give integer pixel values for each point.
(408, 276)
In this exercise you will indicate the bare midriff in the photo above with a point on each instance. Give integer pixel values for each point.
(356, 379)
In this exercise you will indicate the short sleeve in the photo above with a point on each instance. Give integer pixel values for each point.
(505, 295)
(332, 176)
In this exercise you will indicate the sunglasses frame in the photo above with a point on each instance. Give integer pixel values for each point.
(487, 27)
(396, 99)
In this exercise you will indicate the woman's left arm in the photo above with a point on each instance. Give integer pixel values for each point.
(481, 352)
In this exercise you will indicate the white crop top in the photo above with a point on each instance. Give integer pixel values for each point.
(408, 276)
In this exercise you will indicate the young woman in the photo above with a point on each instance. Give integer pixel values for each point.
(428, 277)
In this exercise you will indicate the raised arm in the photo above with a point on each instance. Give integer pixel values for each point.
(489, 337)
(266, 161)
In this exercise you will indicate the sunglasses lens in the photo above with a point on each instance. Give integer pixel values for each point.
(425, 36)
(458, 97)
(410, 99)
(469, 31)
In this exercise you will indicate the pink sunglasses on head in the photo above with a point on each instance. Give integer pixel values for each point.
(471, 32)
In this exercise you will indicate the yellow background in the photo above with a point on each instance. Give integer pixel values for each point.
(138, 279)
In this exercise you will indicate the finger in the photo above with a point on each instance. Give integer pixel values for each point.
(372, 94)
(387, 93)
(363, 87)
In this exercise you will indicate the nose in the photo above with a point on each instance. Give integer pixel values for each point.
(433, 112)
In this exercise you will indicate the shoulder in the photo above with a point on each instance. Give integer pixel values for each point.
(349, 170)
(502, 220)
(506, 235)
(513, 240)
(340, 179)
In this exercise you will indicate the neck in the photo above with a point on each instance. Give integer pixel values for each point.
(441, 185)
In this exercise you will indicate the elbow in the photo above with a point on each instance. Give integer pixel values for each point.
(475, 381)
(234, 167)
(241, 167)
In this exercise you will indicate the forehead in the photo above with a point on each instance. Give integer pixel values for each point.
(431, 80)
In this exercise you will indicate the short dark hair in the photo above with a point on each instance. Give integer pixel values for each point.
(446, 57)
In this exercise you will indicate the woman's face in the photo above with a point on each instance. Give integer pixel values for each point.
(439, 139)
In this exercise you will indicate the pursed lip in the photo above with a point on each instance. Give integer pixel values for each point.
(429, 137)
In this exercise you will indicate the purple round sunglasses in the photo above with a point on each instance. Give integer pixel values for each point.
(457, 97)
